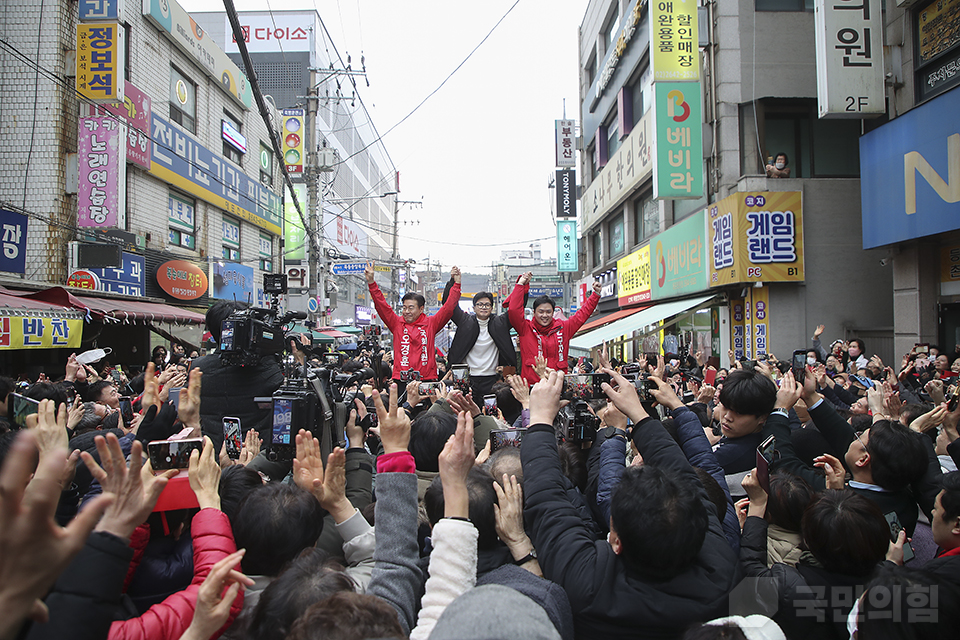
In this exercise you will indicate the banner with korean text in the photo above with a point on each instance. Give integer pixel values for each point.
(673, 40)
(38, 331)
(737, 341)
(101, 156)
(760, 313)
(633, 277)
(568, 257)
(678, 169)
(100, 61)
(566, 150)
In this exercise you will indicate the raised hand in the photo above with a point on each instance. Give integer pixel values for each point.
(213, 601)
(189, 409)
(833, 470)
(456, 461)
(151, 388)
(328, 485)
(455, 274)
(368, 272)
(204, 473)
(789, 392)
(625, 397)
(818, 331)
(251, 448)
(545, 398)
(520, 390)
(509, 519)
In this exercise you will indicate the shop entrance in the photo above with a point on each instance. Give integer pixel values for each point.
(949, 336)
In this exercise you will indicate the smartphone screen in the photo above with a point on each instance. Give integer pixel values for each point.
(799, 365)
(282, 420)
(710, 376)
(22, 407)
(490, 406)
(126, 410)
(232, 437)
(584, 386)
(426, 387)
(172, 454)
(895, 527)
(502, 438)
(175, 397)
(764, 460)
(460, 374)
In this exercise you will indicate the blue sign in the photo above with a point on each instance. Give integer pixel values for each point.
(13, 237)
(553, 292)
(128, 279)
(101, 10)
(344, 268)
(910, 174)
(179, 159)
(233, 281)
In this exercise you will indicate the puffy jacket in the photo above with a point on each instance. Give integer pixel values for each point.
(230, 390)
(551, 341)
(468, 330)
(413, 343)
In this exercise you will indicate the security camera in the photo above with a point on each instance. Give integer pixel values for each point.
(884, 262)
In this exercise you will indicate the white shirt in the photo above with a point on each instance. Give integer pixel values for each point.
(483, 357)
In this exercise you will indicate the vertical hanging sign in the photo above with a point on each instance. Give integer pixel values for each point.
(567, 249)
(849, 41)
(101, 159)
(678, 169)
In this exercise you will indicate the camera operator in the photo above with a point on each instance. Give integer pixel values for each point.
(230, 390)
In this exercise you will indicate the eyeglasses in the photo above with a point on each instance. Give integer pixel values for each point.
(483, 305)
(858, 434)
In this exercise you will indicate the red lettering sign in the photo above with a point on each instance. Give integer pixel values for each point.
(182, 280)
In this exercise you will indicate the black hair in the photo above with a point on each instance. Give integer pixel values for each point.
(544, 300)
(509, 406)
(573, 463)
(480, 295)
(660, 519)
(482, 497)
(950, 500)
(748, 393)
(312, 577)
(6, 386)
(725, 631)
(845, 532)
(48, 391)
(789, 497)
(219, 312)
(429, 433)
(6, 442)
(860, 422)
(348, 616)
(236, 483)
(913, 411)
(702, 413)
(898, 456)
(92, 394)
(153, 354)
(714, 492)
(908, 604)
(274, 524)
(860, 344)
(786, 158)
(416, 297)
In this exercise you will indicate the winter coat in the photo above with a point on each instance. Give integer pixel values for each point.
(468, 330)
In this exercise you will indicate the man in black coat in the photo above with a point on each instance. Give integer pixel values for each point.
(482, 342)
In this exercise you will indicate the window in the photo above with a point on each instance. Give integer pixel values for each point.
(646, 218)
(612, 27)
(784, 5)
(266, 253)
(183, 100)
(590, 71)
(596, 249)
(613, 134)
(181, 213)
(266, 165)
(231, 239)
(234, 144)
(617, 244)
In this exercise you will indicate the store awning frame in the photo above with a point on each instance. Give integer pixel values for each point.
(629, 324)
(607, 318)
(106, 310)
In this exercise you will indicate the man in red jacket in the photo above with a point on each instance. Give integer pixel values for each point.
(545, 335)
(414, 331)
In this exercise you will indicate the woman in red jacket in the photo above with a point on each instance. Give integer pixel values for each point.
(545, 335)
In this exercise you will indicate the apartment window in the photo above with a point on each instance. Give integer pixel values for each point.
(617, 244)
(183, 100)
(231, 133)
(266, 253)
(231, 239)
(784, 5)
(612, 27)
(266, 165)
(596, 248)
(181, 214)
(613, 134)
(590, 71)
(646, 218)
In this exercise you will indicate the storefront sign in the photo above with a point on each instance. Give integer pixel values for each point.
(679, 259)
(345, 268)
(910, 174)
(13, 242)
(100, 10)
(566, 143)
(294, 235)
(568, 252)
(174, 22)
(678, 170)
(737, 316)
(127, 280)
(179, 159)
(181, 279)
(232, 136)
(760, 306)
(756, 237)
(100, 61)
(849, 35)
(363, 315)
(232, 281)
(298, 277)
(273, 32)
(292, 143)
(135, 111)
(950, 270)
(630, 165)
(231, 234)
(673, 40)
(633, 277)
(39, 332)
(345, 235)
(102, 175)
(566, 188)
(938, 27)
(551, 292)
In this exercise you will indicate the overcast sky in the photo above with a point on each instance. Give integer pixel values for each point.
(480, 152)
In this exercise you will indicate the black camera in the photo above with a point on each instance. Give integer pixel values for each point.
(249, 334)
(643, 385)
(578, 423)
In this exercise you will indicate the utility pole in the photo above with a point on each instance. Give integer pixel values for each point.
(395, 255)
(313, 198)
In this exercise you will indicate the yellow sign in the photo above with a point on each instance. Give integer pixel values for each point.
(633, 277)
(382, 269)
(39, 332)
(756, 237)
(673, 40)
(100, 61)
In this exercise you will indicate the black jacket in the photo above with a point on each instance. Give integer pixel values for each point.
(468, 330)
(229, 391)
(607, 599)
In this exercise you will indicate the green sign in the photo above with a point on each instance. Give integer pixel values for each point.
(294, 235)
(567, 249)
(679, 258)
(678, 168)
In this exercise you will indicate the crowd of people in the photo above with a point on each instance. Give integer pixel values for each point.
(765, 499)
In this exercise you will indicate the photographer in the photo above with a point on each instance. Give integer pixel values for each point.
(230, 390)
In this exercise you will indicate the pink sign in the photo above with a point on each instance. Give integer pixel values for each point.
(136, 111)
(100, 159)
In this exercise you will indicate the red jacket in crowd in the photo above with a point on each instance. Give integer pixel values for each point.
(413, 343)
(551, 341)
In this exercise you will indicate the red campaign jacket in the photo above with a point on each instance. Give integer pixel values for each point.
(551, 341)
(413, 343)
(212, 542)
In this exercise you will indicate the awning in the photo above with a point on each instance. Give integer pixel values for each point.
(131, 311)
(607, 318)
(13, 305)
(631, 323)
(318, 336)
(334, 333)
(348, 329)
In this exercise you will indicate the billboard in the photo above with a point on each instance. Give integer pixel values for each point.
(566, 143)
(38, 331)
(849, 39)
(293, 134)
(633, 277)
(294, 235)
(280, 32)
(233, 281)
(568, 253)
(678, 169)
(344, 234)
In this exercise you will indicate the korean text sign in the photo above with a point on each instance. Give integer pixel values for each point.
(678, 170)
(633, 277)
(568, 257)
(673, 40)
(127, 280)
(233, 281)
(849, 36)
(679, 259)
(101, 161)
(13, 242)
(100, 61)
(179, 159)
(566, 143)
(294, 235)
(100, 10)
(756, 237)
(760, 308)
(135, 110)
(39, 332)
(737, 339)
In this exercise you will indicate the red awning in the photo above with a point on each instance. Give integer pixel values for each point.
(334, 333)
(100, 308)
(610, 317)
(11, 304)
